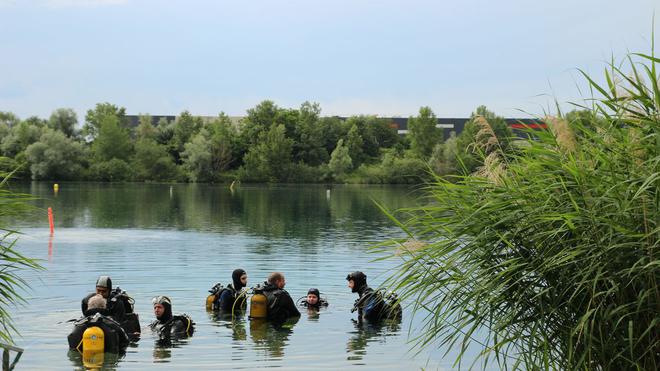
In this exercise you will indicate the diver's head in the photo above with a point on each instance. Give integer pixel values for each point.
(313, 297)
(239, 276)
(96, 302)
(162, 308)
(356, 281)
(277, 279)
(104, 286)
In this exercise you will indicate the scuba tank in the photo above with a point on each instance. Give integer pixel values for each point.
(93, 343)
(258, 303)
(214, 294)
(94, 339)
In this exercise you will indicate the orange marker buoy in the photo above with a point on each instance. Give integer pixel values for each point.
(50, 220)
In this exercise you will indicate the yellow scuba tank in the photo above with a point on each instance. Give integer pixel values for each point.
(93, 344)
(258, 304)
(93, 339)
(209, 301)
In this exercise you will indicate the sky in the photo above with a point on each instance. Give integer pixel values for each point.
(384, 57)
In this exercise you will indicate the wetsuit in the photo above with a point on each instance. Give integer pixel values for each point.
(115, 337)
(177, 326)
(280, 304)
(228, 296)
(370, 304)
(114, 307)
(168, 325)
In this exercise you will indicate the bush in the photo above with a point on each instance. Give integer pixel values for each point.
(115, 170)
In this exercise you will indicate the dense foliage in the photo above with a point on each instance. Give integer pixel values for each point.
(270, 144)
(551, 248)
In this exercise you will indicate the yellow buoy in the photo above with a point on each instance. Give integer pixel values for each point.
(56, 188)
(258, 305)
(93, 339)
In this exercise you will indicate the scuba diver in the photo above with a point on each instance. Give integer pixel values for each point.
(232, 297)
(280, 304)
(114, 337)
(114, 307)
(119, 305)
(371, 305)
(313, 300)
(167, 325)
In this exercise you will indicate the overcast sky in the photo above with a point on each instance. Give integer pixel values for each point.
(351, 56)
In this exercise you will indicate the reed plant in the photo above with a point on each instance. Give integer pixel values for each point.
(12, 262)
(547, 256)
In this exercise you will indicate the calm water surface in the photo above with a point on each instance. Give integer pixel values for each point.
(179, 240)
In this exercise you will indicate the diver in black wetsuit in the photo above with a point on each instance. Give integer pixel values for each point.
(280, 304)
(119, 306)
(168, 325)
(115, 338)
(114, 307)
(370, 304)
(313, 300)
(229, 295)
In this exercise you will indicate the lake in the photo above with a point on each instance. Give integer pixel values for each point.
(178, 240)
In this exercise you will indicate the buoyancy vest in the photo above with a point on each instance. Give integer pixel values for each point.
(179, 326)
(116, 339)
(225, 297)
(374, 305)
(280, 304)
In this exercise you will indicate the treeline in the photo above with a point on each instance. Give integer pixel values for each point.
(270, 144)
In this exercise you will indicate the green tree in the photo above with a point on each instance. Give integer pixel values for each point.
(185, 127)
(258, 120)
(197, 158)
(145, 128)
(114, 170)
(340, 160)
(309, 143)
(9, 118)
(423, 133)
(332, 129)
(224, 143)
(376, 134)
(354, 143)
(153, 162)
(64, 120)
(270, 159)
(20, 136)
(55, 156)
(443, 158)
(96, 116)
(112, 141)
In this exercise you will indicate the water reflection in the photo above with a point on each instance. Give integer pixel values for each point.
(271, 337)
(95, 361)
(367, 332)
(163, 347)
(303, 212)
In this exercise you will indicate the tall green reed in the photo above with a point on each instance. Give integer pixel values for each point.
(12, 262)
(551, 250)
